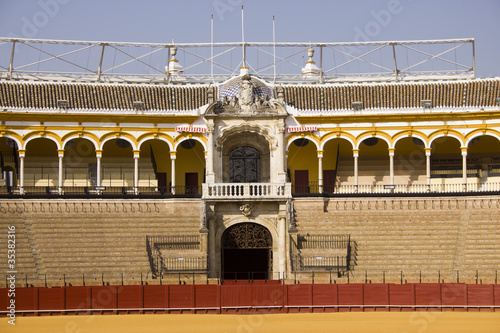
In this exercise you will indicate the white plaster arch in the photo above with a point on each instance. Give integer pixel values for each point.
(481, 134)
(13, 138)
(410, 136)
(305, 137)
(322, 147)
(361, 139)
(193, 138)
(76, 136)
(441, 135)
(34, 137)
(120, 137)
(157, 138)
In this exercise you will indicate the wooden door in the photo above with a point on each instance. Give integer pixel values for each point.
(301, 181)
(191, 182)
(328, 181)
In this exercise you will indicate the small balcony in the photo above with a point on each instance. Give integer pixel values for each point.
(247, 191)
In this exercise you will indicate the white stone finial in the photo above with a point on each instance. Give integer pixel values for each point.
(174, 68)
(310, 71)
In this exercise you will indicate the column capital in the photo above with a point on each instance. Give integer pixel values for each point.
(21, 152)
(173, 155)
(464, 150)
(320, 153)
(391, 151)
(355, 152)
(428, 151)
(60, 152)
(137, 153)
(98, 153)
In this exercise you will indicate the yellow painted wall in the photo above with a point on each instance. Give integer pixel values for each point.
(303, 158)
(110, 149)
(446, 146)
(41, 147)
(189, 160)
(330, 152)
(162, 156)
(485, 145)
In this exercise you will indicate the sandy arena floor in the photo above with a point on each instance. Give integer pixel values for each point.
(384, 322)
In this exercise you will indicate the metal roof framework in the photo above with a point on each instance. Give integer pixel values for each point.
(280, 62)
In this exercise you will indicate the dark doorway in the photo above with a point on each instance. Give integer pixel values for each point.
(162, 181)
(191, 183)
(246, 264)
(328, 181)
(246, 252)
(244, 165)
(301, 181)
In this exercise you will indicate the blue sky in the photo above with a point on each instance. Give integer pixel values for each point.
(296, 21)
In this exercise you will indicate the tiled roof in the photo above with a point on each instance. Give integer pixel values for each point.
(101, 96)
(476, 93)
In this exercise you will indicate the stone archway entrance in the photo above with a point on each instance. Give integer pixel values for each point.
(246, 252)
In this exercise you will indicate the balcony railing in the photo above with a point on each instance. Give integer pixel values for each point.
(221, 191)
(316, 190)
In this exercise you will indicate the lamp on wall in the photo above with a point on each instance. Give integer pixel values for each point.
(138, 105)
(426, 103)
(357, 105)
(62, 103)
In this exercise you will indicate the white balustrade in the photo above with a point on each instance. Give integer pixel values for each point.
(222, 191)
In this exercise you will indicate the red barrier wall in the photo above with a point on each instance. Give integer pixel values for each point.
(251, 298)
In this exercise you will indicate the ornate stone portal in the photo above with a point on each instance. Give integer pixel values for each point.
(247, 131)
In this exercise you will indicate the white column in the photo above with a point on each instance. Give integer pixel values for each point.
(60, 154)
(428, 167)
(98, 155)
(391, 165)
(320, 171)
(280, 153)
(22, 153)
(210, 174)
(464, 167)
(282, 245)
(173, 156)
(355, 154)
(136, 171)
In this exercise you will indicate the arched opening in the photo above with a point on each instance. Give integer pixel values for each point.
(155, 165)
(410, 161)
(244, 165)
(190, 166)
(251, 149)
(338, 164)
(117, 166)
(302, 166)
(80, 163)
(41, 165)
(9, 163)
(246, 252)
(373, 167)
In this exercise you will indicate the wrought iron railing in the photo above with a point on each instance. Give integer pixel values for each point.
(302, 263)
(324, 241)
(160, 261)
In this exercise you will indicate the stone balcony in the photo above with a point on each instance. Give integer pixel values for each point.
(247, 191)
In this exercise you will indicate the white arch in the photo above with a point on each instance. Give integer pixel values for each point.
(444, 135)
(121, 137)
(34, 137)
(372, 136)
(333, 138)
(410, 136)
(193, 138)
(18, 143)
(157, 138)
(299, 137)
(76, 136)
(480, 134)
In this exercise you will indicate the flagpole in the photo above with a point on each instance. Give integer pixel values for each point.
(212, 48)
(243, 37)
(274, 51)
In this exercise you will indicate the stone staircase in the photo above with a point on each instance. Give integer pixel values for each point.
(72, 238)
(429, 235)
